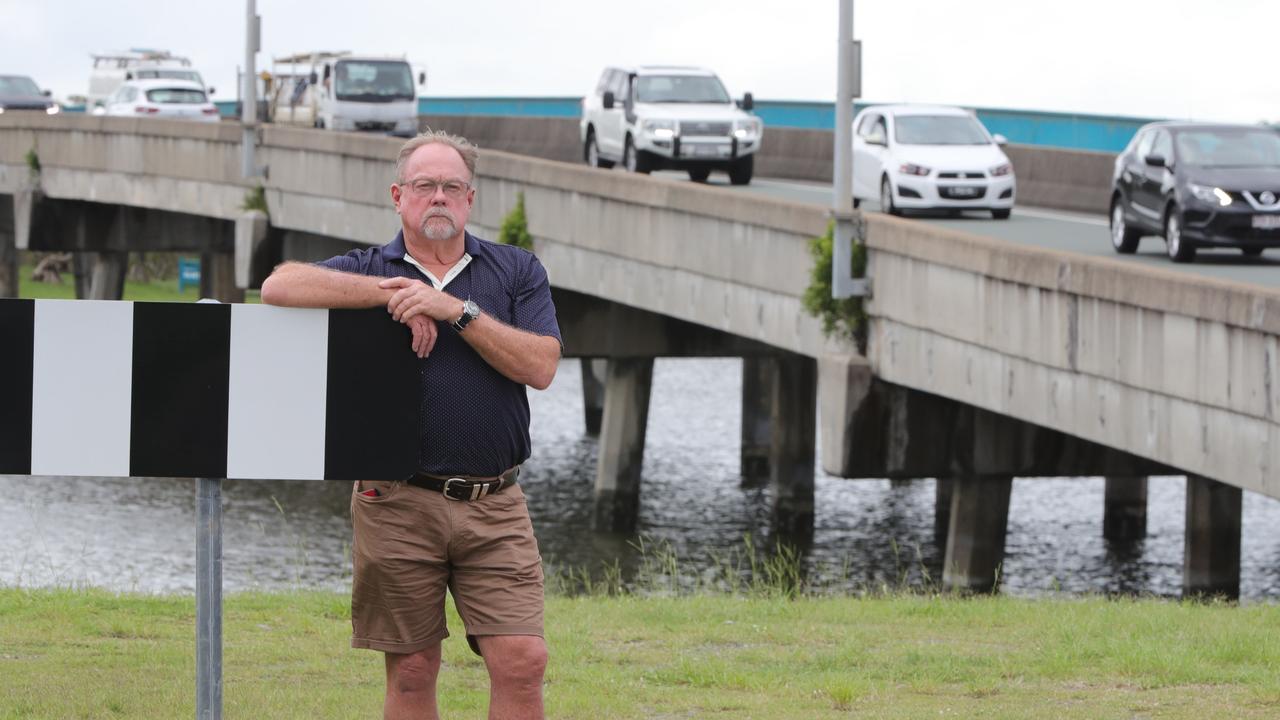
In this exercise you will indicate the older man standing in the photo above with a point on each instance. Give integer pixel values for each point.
(483, 322)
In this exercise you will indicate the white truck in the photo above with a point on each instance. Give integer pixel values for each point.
(112, 69)
(342, 91)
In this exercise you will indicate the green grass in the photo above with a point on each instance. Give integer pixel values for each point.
(92, 654)
(153, 291)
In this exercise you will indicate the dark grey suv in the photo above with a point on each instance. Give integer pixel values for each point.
(1198, 185)
(20, 93)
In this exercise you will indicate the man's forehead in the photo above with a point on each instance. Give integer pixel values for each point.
(436, 157)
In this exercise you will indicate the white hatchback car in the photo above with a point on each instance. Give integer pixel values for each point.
(165, 98)
(664, 117)
(929, 157)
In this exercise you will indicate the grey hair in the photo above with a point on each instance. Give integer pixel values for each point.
(463, 147)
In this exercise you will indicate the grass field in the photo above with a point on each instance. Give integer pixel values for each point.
(153, 291)
(91, 654)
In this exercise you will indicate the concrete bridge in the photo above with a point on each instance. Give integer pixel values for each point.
(983, 360)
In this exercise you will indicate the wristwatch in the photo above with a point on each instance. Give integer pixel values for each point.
(470, 311)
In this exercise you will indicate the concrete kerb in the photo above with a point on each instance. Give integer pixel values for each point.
(1239, 304)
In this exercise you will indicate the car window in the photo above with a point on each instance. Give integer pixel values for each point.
(1233, 147)
(939, 130)
(618, 85)
(868, 121)
(603, 83)
(1144, 144)
(680, 89)
(18, 85)
(176, 96)
(1163, 145)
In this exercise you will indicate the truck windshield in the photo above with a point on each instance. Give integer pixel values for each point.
(373, 81)
(680, 89)
(940, 130)
(17, 85)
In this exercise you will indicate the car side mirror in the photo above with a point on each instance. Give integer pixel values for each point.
(313, 78)
(211, 91)
(47, 93)
(748, 102)
(422, 78)
(608, 100)
(1000, 139)
(1157, 161)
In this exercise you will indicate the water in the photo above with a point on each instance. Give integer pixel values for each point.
(138, 535)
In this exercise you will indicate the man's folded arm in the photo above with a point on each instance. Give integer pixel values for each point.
(299, 284)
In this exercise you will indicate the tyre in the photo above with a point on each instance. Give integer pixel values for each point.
(886, 198)
(1180, 250)
(634, 160)
(1001, 214)
(1123, 237)
(741, 169)
(1251, 252)
(591, 152)
(699, 176)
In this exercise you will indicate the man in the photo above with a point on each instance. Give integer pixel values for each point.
(484, 326)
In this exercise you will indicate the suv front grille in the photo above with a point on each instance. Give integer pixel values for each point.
(374, 125)
(705, 128)
(971, 175)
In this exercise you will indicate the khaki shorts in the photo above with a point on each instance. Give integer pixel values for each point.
(409, 544)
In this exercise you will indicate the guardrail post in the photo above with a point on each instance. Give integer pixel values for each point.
(209, 599)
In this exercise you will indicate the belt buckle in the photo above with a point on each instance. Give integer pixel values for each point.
(446, 492)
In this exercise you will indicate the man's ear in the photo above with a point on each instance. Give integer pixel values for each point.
(395, 195)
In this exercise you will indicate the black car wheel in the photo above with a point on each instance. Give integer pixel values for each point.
(699, 175)
(591, 152)
(1180, 250)
(1251, 252)
(741, 170)
(886, 198)
(633, 159)
(1123, 238)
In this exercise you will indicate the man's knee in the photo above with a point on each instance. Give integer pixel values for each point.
(413, 672)
(520, 659)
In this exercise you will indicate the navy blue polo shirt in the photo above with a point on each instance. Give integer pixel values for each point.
(474, 420)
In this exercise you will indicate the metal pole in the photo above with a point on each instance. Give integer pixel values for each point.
(249, 93)
(842, 183)
(209, 598)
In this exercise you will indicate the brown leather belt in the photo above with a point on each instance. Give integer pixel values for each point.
(465, 488)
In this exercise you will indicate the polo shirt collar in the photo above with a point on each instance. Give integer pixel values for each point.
(395, 250)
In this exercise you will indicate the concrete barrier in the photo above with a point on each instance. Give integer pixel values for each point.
(1077, 180)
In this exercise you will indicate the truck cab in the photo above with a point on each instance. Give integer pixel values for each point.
(341, 91)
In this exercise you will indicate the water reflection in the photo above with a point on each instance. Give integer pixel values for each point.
(139, 534)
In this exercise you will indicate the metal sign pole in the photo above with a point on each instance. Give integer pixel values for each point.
(848, 86)
(209, 599)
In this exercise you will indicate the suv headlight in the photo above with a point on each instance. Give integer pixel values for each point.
(53, 109)
(1001, 170)
(747, 129)
(1212, 195)
(660, 129)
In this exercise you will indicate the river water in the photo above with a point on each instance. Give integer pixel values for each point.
(138, 535)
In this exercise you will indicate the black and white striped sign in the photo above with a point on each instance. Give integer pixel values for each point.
(123, 389)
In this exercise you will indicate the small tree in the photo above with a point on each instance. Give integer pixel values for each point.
(845, 317)
(515, 227)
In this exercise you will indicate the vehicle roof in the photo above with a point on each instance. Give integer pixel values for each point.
(25, 77)
(1176, 125)
(141, 55)
(165, 83)
(908, 109)
(666, 70)
(322, 55)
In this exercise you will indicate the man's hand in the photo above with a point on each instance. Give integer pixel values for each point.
(424, 334)
(414, 297)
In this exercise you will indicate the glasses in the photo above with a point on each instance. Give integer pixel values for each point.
(427, 188)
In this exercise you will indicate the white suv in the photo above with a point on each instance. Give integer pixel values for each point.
(654, 118)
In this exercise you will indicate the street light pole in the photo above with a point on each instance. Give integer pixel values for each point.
(848, 84)
(248, 92)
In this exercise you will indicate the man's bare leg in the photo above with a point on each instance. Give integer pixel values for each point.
(516, 664)
(411, 685)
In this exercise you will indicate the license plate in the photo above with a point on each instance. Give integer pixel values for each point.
(1266, 222)
(963, 191)
(705, 151)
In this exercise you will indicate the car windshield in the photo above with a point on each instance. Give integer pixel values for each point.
(17, 85)
(176, 96)
(374, 81)
(1245, 147)
(188, 75)
(680, 89)
(939, 130)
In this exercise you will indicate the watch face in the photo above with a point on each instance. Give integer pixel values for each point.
(471, 308)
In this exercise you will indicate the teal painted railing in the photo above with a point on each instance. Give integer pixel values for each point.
(1105, 133)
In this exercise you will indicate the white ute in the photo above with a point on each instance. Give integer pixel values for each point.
(658, 117)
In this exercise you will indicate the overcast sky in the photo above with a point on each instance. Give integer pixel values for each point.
(1172, 59)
